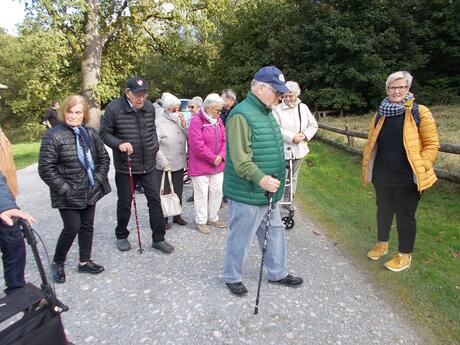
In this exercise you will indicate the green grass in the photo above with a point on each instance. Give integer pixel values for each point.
(330, 189)
(25, 154)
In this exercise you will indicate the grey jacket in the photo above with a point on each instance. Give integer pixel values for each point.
(172, 138)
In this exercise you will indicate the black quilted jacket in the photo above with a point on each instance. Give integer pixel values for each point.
(120, 124)
(59, 168)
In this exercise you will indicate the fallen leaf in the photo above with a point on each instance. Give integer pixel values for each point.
(316, 233)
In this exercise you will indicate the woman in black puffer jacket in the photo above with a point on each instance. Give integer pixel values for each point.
(74, 164)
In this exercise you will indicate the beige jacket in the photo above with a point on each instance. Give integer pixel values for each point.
(7, 166)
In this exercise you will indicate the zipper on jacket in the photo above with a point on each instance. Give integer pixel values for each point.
(216, 151)
(141, 137)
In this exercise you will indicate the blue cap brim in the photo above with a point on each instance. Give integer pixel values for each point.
(280, 88)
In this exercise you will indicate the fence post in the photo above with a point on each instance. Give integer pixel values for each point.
(351, 139)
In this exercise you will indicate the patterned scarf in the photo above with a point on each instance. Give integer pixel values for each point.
(84, 153)
(388, 108)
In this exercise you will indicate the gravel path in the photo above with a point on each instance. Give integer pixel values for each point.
(181, 298)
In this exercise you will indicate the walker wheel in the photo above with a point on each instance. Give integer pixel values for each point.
(288, 222)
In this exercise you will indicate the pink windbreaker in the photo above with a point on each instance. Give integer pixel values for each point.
(205, 142)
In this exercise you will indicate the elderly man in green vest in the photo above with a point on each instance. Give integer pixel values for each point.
(255, 165)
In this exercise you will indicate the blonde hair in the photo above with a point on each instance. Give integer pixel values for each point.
(69, 103)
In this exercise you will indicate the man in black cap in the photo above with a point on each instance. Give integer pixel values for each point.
(128, 127)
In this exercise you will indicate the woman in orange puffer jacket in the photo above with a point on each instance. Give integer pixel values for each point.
(398, 158)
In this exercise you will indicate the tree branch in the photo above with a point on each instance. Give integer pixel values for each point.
(69, 34)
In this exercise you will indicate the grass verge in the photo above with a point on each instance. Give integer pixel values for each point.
(331, 191)
(25, 154)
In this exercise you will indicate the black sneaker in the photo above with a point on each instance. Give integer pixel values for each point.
(163, 246)
(90, 267)
(58, 273)
(289, 280)
(237, 289)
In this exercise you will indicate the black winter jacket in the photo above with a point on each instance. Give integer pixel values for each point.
(59, 168)
(120, 124)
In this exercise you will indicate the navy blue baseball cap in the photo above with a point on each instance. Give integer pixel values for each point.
(137, 84)
(273, 76)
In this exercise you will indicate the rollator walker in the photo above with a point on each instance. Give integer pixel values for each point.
(288, 197)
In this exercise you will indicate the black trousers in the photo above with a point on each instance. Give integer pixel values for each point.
(76, 222)
(178, 184)
(13, 256)
(403, 203)
(152, 193)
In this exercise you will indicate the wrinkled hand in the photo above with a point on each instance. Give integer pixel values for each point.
(298, 138)
(182, 120)
(126, 147)
(6, 216)
(269, 184)
(218, 160)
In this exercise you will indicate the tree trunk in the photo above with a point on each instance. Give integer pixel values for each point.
(91, 62)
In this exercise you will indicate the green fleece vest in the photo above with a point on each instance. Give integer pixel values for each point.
(268, 154)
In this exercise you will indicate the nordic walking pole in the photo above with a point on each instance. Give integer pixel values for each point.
(264, 248)
(133, 201)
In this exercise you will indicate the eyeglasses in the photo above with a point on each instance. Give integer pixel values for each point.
(397, 88)
(192, 106)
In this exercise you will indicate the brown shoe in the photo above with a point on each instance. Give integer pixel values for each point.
(218, 224)
(179, 220)
(167, 226)
(203, 228)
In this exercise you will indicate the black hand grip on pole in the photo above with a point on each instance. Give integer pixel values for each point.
(32, 242)
(264, 249)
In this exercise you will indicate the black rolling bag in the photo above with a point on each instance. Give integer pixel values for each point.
(41, 321)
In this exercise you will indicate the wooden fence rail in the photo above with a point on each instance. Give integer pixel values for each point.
(441, 173)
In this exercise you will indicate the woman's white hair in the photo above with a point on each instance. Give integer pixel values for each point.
(169, 100)
(400, 75)
(197, 100)
(293, 87)
(229, 93)
(212, 99)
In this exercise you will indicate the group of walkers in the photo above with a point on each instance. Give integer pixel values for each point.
(233, 151)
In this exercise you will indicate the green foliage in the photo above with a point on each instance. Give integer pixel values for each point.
(342, 51)
(37, 67)
(330, 188)
(26, 154)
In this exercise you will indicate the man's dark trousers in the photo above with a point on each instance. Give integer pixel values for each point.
(13, 256)
(151, 192)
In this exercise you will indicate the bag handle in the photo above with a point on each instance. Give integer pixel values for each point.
(300, 119)
(171, 186)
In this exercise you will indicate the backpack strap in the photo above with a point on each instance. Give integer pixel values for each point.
(415, 114)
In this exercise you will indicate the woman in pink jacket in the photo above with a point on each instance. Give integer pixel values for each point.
(206, 145)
